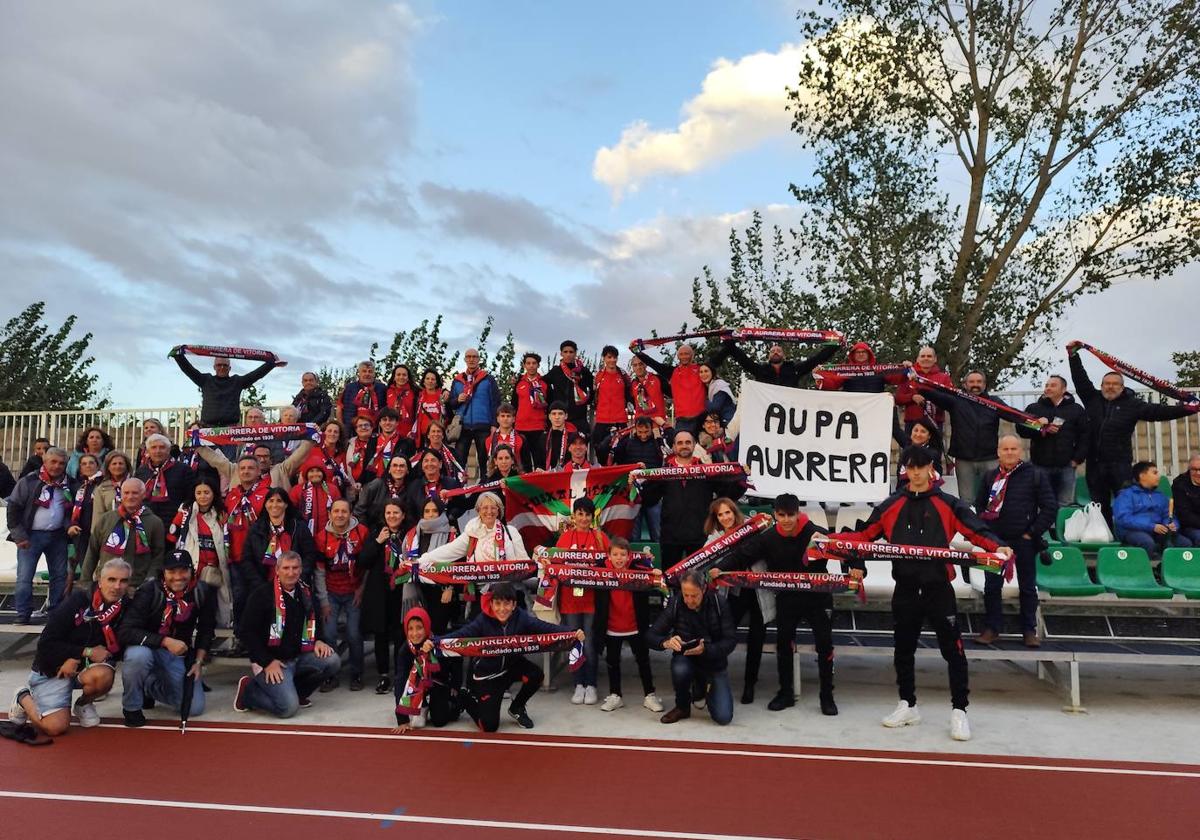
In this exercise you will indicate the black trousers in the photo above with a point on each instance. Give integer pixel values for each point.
(602, 431)
(440, 706)
(914, 604)
(482, 702)
(641, 653)
(817, 609)
(535, 449)
(745, 605)
(477, 435)
(1104, 480)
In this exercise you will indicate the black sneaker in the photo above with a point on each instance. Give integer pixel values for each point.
(22, 619)
(356, 683)
(329, 685)
(748, 694)
(134, 718)
(782, 701)
(828, 707)
(303, 702)
(521, 717)
(149, 703)
(384, 685)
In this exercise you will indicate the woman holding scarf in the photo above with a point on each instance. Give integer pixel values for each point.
(92, 441)
(383, 601)
(313, 498)
(82, 494)
(199, 529)
(369, 508)
(359, 452)
(435, 440)
(724, 517)
(504, 464)
(531, 396)
(431, 406)
(427, 483)
(107, 495)
(330, 456)
(485, 539)
(276, 530)
(402, 399)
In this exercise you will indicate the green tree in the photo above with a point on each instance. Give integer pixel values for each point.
(1037, 153)
(1187, 368)
(42, 368)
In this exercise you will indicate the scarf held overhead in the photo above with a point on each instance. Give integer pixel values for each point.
(1138, 375)
(1013, 415)
(248, 354)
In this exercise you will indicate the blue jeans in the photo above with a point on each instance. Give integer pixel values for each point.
(158, 673)
(1025, 560)
(1062, 482)
(586, 675)
(344, 605)
(685, 670)
(652, 516)
(1192, 535)
(53, 546)
(1153, 544)
(301, 676)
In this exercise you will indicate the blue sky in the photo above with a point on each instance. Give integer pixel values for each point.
(312, 177)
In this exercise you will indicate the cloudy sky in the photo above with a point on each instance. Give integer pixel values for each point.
(310, 177)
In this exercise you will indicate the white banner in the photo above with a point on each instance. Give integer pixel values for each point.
(824, 446)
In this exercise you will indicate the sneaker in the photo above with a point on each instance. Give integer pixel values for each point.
(384, 685)
(960, 730)
(329, 685)
(356, 684)
(521, 717)
(21, 619)
(675, 715)
(652, 702)
(904, 715)
(579, 695)
(239, 696)
(590, 697)
(611, 703)
(303, 702)
(828, 707)
(699, 702)
(782, 700)
(87, 714)
(417, 721)
(38, 616)
(16, 712)
(134, 718)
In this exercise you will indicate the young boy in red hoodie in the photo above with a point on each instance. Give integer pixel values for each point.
(426, 692)
(624, 616)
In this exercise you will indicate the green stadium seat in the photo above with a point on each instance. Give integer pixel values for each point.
(1181, 571)
(652, 547)
(1126, 571)
(1067, 575)
(1164, 485)
(1082, 494)
(1060, 522)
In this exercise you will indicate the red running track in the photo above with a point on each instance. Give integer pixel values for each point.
(301, 782)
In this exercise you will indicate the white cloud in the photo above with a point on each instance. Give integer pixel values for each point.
(741, 103)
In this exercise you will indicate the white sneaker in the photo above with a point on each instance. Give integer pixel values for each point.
(589, 695)
(960, 730)
(87, 714)
(699, 702)
(904, 715)
(652, 702)
(16, 712)
(418, 720)
(577, 697)
(611, 703)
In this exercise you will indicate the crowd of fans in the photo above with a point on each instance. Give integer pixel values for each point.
(292, 543)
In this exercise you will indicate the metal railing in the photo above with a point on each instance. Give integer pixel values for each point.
(1168, 444)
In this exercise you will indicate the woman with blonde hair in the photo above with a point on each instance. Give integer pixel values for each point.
(725, 516)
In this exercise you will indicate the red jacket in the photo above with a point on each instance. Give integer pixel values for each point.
(690, 395)
(342, 575)
(531, 411)
(405, 404)
(647, 396)
(568, 602)
(314, 506)
(912, 411)
(612, 394)
(513, 439)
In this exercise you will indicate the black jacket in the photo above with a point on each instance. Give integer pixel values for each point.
(1069, 443)
(22, 505)
(685, 505)
(713, 623)
(930, 519)
(520, 623)
(181, 486)
(62, 639)
(221, 396)
(1030, 505)
(416, 497)
(259, 537)
(974, 430)
(562, 389)
(142, 624)
(373, 499)
(780, 553)
(790, 374)
(7, 482)
(1187, 501)
(259, 614)
(1111, 422)
(316, 407)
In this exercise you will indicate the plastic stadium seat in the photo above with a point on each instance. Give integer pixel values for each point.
(1181, 571)
(1067, 575)
(1008, 591)
(1082, 494)
(1164, 485)
(1061, 521)
(1126, 571)
(879, 582)
(653, 547)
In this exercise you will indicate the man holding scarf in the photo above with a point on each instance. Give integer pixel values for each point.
(913, 404)
(571, 384)
(475, 398)
(220, 393)
(76, 650)
(131, 532)
(169, 483)
(778, 370)
(1017, 501)
(39, 511)
(974, 431)
(281, 629)
(169, 615)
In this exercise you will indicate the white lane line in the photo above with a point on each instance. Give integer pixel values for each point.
(381, 817)
(652, 748)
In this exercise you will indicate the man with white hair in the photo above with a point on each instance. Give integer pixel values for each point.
(221, 393)
(132, 532)
(76, 650)
(39, 511)
(169, 482)
(362, 395)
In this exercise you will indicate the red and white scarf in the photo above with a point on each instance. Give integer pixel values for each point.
(537, 391)
(997, 492)
(469, 380)
(177, 608)
(178, 532)
(310, 503)
(46, 494)
(104, 616)
(558, 463)
(574, 372)
(356, 457)
(345, 546)
(244, 505)
(83, 495)
(156, 485)
(279, 542)
(308, 635)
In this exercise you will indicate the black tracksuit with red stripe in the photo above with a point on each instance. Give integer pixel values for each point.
(923, 591)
